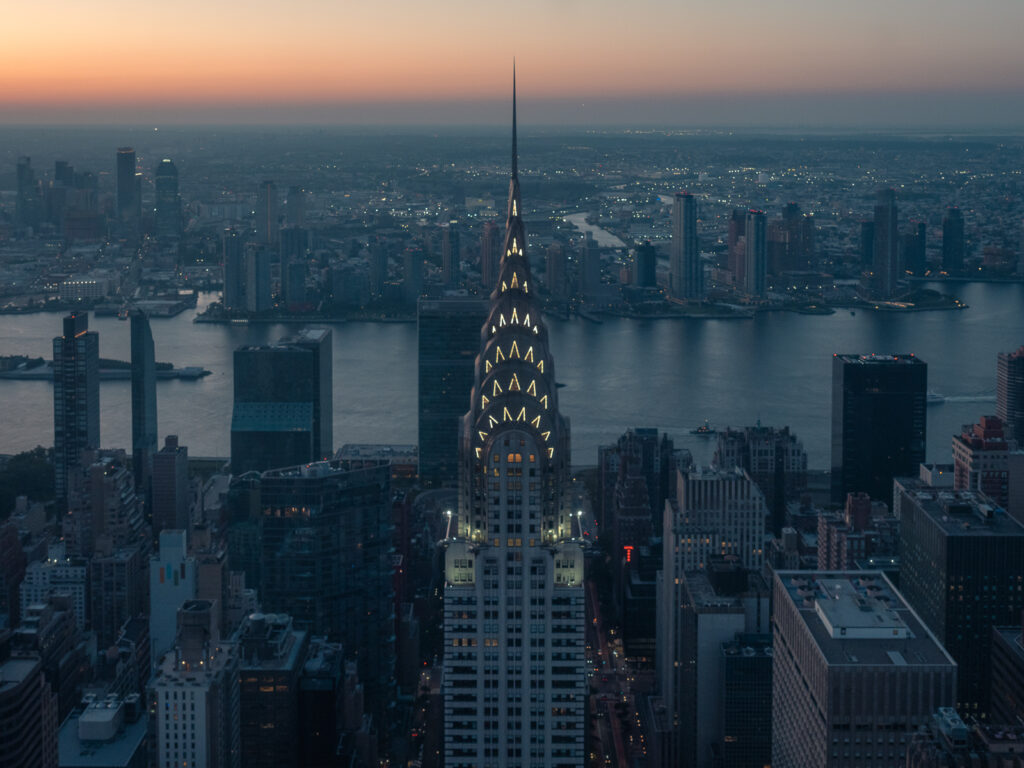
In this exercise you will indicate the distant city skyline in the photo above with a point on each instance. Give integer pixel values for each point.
(650, 63)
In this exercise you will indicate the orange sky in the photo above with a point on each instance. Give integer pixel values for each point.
(203, 54)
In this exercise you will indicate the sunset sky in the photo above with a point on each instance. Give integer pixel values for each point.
(579, 61)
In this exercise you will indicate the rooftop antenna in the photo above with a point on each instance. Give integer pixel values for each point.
(515, 151)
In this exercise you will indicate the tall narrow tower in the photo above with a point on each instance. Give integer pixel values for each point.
(514, 683)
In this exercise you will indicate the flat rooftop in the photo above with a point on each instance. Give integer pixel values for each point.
(857, 618)
(963, 513)
(877, 359)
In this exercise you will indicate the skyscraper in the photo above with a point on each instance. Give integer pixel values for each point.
(867, 244)
(451, 251)
(646, 265)
(449, 339)
(172, 500)
(233, 293)
(168, 201)
(755, 273)
(886, 249)
(320, 342)
(514, 686)
(267, 224)
(687, 272)
(878, 422)
(1010, 393)
(953, 241)
(27, 204)
(283, 408)
(258, 296)
(489, 255)
(76, 396)
(128, 186)
(144, 429)
(328, 564)
(962, 569)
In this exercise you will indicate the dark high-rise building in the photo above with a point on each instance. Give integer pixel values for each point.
(962, 568)
(489, 242)
(233, 295)
(144, 428)
(28, 711)
(687, 272)
(557, 273)
(699, 611)
(646, 265)
(284, 409)
(27, 204)
(1008, 674)
(118, 591)
(76, 396)
(412, 264)
(854, 670)
(878, 422)
(449, 339)
(451, 252)
(295, 207)
(329, 564)
(129, 202)
(747, 701)
(953, 241)
(886, 249)
(514, 696)
(755, 273)
(1010, 393)
(258, 296)
(272, 654)
(867, 244)
(168, 201)
(267, 224)
(319, 341)
(171, 494)
(913, 249)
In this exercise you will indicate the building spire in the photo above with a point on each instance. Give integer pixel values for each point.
(515, 150)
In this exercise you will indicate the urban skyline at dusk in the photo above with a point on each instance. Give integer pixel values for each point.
(652, 63)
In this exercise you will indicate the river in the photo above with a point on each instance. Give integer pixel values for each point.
(671, 374)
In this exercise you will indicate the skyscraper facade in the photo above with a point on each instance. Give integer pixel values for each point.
(1010, 393)
(168, 201)
(886, 249)
(129, 202)
(451, 251)
(283, 409)
(324, 545)
(233, 295)
(171, 497)
(755, 273)
(962, 571)
(267, 224)
(449, 339)
(878, 422)
(646, 265)
(953, 241)
(144, 428)
(76, 396)
(514, 686)
(686, 269)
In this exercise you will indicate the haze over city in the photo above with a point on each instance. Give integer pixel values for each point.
(914, 63)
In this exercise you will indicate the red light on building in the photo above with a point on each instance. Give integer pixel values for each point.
(629, 552)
